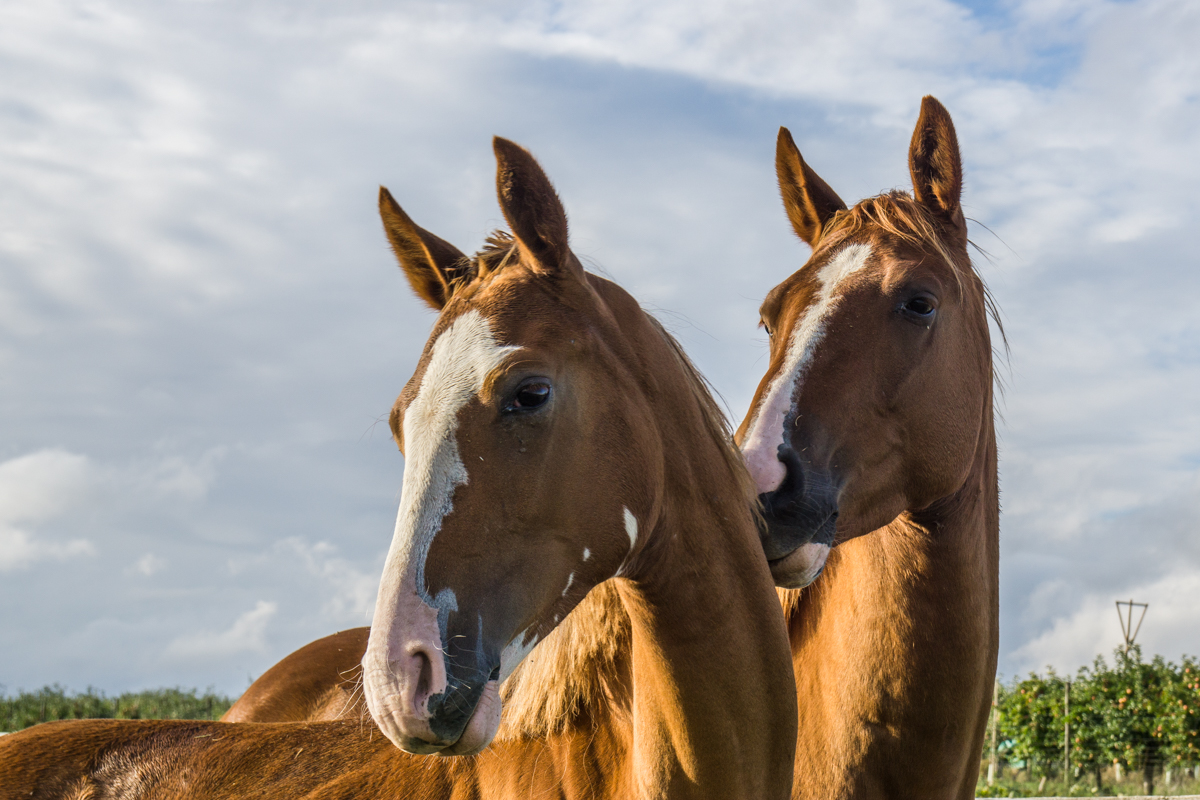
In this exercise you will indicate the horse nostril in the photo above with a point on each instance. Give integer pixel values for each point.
(424, 670)
(793, 472)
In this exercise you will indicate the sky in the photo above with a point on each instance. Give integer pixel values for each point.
(202, 329)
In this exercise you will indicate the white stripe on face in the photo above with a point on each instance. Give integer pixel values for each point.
(761, 445)
(631, 528)
(462, 358)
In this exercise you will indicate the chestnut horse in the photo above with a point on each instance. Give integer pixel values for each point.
(875, 417)
(873, 431)
(565, 467)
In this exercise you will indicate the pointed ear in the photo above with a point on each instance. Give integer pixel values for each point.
(935, 163)
(531, 206)
(808, 200)
(430, 263)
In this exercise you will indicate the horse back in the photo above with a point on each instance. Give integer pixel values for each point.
(320, 681)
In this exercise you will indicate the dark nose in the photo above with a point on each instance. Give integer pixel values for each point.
(803, 510)
(451, 710)
(472, 659)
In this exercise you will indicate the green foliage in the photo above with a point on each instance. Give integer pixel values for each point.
(1031, 722)
(1143, 715)
(52, 702)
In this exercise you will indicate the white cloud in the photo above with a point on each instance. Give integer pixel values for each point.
(247, 634)
(34, 489)
(350, 591)
(1093, 628)
(149, 564)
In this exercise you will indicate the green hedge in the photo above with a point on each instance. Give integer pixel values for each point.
(53, 702)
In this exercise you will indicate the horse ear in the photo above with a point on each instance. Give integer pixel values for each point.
(935, 163)
(531, 206)
(431, 264)
(808, 200)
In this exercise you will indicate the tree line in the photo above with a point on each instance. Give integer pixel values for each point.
(1135, 715)
(53, 702)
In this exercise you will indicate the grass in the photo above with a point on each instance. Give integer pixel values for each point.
(1016, 783)
(53, 702)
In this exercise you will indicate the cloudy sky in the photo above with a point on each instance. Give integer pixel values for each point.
(202, 329)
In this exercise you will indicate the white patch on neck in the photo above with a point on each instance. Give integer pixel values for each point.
(761, 445)
(462, 358)
(631, 528)
(586, 554)
(515, 653)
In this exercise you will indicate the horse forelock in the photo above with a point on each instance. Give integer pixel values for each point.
(897, 213)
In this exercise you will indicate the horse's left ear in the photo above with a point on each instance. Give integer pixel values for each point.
(935, 163)
(532, 208)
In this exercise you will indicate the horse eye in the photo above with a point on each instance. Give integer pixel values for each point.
(920, 308)
(529, 396)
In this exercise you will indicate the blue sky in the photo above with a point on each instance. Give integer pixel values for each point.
(201, 327)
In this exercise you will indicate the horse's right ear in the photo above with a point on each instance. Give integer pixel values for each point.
(808, 200)
(431, 264)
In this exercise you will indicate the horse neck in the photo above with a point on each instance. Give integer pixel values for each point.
(905, 621)
(712, 691)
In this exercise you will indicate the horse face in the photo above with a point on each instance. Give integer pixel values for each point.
(523, 438)
(880, 371)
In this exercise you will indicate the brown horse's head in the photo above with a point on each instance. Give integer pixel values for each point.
(880, 370)
(531, 461)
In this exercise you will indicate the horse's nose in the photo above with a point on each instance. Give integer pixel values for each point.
(801, 510)
(404, 672)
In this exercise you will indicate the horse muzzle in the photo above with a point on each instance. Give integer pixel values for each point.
(424, 696)
(461, 718)
(799, 522)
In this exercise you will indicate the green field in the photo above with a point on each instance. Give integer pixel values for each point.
(53, 702)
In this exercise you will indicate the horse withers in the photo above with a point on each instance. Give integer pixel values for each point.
(573, 517)
(872, 446)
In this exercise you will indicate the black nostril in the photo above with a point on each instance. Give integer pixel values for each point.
(424, 675)
(793, 477)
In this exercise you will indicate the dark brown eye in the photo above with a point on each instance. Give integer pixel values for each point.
(920, 308)
(530, 395)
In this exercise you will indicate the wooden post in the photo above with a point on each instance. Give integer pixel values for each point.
(992, 764)
(1067, 733)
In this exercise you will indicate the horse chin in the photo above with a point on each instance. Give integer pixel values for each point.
(481, 727)
(800, 567)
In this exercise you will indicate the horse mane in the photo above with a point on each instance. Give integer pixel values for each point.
(581, 669)
(715, 422)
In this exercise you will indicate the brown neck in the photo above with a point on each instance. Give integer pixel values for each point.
(713, 695)
(895, 647)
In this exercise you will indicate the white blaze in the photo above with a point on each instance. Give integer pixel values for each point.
(463, 356)
(761, 445)
(631, 528)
